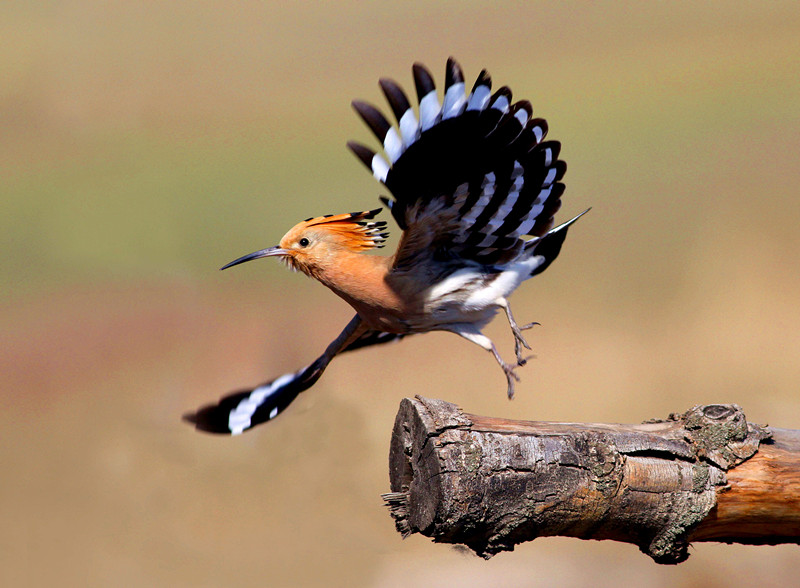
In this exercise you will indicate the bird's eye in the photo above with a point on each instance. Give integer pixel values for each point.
(303, 242)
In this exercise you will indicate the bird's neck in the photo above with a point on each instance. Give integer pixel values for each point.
(361, 281)
(353, 275)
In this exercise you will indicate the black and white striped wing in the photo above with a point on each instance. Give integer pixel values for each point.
(477, 159)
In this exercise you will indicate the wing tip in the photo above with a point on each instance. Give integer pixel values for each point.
(209, 419)
(423, 80)
(364, 153)
(453, 72)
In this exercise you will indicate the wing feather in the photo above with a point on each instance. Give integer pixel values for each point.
(471, 175)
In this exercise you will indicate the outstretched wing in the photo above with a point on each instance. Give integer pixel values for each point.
(471, 175)
(243, 410)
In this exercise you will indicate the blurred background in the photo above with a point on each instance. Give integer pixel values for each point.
(144, 145)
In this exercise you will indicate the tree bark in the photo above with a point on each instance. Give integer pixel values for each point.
(490, 483)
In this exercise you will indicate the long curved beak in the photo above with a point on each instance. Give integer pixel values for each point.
(268, 252)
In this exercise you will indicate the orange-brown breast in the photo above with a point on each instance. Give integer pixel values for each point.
(361, 280)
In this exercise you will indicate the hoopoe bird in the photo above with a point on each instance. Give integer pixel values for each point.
(474, 189)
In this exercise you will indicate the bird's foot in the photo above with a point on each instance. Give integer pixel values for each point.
(508, 369)
(511, 377)
(521, 361)
(520, 342)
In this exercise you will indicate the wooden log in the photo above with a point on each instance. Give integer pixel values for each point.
(490, 483)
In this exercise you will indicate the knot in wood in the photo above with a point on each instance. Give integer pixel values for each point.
(603, 460)
(721, 435)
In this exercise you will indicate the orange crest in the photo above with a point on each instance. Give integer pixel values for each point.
(353, 229)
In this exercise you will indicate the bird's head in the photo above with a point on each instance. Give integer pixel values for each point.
(309, 244)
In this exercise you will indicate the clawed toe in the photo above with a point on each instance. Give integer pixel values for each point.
(521, 361)
(508, 369)
(520, 342)
(511, 377)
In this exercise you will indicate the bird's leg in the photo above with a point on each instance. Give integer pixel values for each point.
(519, 340)
(508, 369)
(471, 333)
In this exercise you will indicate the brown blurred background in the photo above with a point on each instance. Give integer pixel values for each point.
(146, 144)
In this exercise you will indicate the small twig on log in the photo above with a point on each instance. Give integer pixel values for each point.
(492, 483)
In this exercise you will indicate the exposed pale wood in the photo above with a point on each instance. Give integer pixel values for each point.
(761, 502)
(489, 483)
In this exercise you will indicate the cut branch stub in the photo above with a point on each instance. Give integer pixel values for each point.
(492, 483)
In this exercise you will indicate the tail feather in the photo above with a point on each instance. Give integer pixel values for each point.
(549, 246)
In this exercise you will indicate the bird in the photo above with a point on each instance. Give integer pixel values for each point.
(474, 188)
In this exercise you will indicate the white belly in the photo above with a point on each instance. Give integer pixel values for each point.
(471, 295)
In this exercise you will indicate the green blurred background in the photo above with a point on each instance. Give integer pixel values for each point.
(146, 144)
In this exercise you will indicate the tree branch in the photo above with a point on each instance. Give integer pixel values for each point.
(489, 483)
